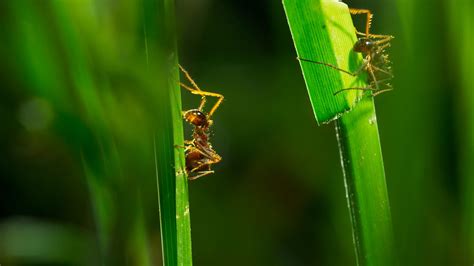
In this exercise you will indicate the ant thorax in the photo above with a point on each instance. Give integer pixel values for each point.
(201, 136)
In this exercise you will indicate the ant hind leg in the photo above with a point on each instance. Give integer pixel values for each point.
(200, 174)
(381, 91)
(355, 88)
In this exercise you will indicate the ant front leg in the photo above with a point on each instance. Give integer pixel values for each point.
(211, 94)
(195, 86)
(196, 90)
(384, 38)
(368, 23)
(328, 65)
(354, 74)
(193, 91)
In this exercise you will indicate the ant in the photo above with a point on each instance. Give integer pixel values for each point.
(199, 152)
(376, 62)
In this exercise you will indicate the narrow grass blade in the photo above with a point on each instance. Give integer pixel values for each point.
(462, 37)
(324, 31)
(171, 175)
(420, 178)
(364, 177)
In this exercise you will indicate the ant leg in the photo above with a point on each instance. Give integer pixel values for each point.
(383, 71)
(368, 23)
(355, 88)
(188, 142)
(203, 102)
(201, 174)
(360, 33)
(192, 90)
(381, 91)
(195, 86)
(354, 74)
(382, 80)
(186, 145)
(211, 156)
(186, 148)
(384, 39)
(211, 94)
(370, 69)
(375, 92)
(381, 36)
(200, 164)
(378, 90)
(327, 64)
(375, 82)
(198, 91)
(384, 46)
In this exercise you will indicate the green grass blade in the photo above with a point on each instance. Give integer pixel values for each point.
(361, 158)
(323, 30)
(462, 37)
(170, 163)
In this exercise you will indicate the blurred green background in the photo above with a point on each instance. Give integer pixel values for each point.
(77, 174)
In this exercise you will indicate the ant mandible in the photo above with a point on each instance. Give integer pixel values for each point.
(199, 152)
(376, 62)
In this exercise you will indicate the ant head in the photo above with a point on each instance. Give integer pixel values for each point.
(363, 45)
(196, 118)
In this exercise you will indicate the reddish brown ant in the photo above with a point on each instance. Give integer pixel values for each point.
(199, 152)
(376, 62)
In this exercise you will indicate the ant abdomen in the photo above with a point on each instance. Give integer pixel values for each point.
(193, 159)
